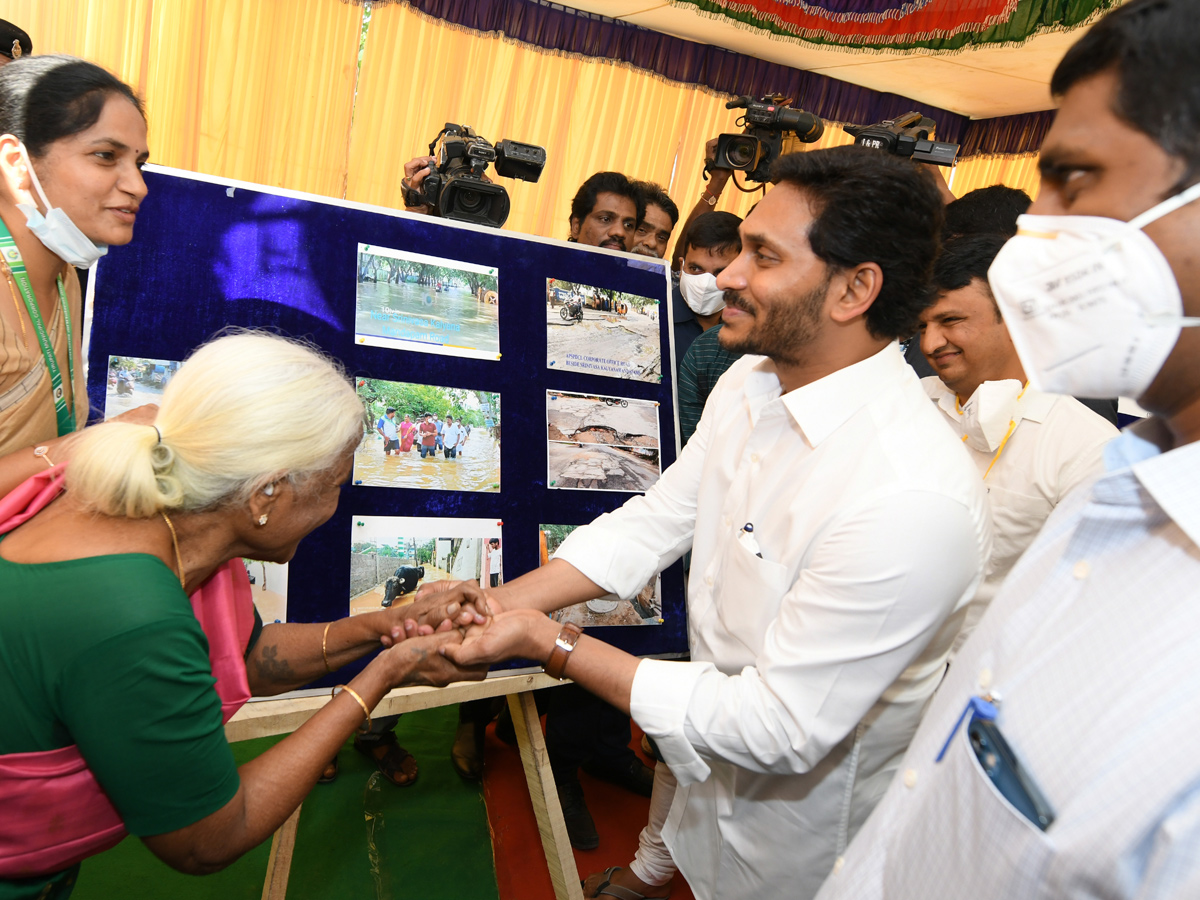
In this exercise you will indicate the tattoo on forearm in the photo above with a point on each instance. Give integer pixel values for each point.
(270, 667)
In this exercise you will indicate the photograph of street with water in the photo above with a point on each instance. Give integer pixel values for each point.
(643, 609)
(135, 381)
(392, 556)
(602, 332)
(408, 301)
(600, 443)
(427, 437)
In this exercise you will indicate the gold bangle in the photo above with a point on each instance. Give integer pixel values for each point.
(43, 452)
(324, 651)
(353, 693)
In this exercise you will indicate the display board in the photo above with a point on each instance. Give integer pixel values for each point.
(552, 359)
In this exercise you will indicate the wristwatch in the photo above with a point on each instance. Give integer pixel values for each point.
(708, 198)
(563, 645)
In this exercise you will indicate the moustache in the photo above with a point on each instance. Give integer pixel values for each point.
(614, 243)
(735, 300)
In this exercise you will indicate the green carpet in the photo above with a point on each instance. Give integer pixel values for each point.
(431, 839)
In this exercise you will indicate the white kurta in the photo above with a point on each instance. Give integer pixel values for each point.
(1058, 443)
(812, 663)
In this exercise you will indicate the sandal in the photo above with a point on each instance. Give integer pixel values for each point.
(607, 889)
(330, 773)
(397, 764)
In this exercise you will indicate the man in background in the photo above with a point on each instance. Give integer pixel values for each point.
(652, 235)
(1031, 448)
(386, 427)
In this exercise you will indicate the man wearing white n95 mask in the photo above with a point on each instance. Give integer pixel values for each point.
(1032, 448)
(1064, 770)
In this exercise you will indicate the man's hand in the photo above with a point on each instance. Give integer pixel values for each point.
(442, 605)
(416, 170)
(139, 415)
(419, 661)
(518, 633)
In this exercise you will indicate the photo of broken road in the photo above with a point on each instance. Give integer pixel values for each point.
(601, 443)
(602, 331)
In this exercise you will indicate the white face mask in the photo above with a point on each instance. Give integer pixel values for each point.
(1090, 302)
(988, 414)
(701, 294)
(55, 229)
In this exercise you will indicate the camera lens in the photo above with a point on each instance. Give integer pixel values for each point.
(743, 152)
(469, 201)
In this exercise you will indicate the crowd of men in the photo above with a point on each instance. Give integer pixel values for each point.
(940, 627)
(941, 613)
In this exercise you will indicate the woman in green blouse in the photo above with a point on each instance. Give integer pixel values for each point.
(104, 663)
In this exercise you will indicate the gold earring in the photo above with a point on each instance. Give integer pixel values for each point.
(262, 520)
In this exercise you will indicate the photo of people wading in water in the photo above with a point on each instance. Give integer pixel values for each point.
(135, 381)
(427, 437)
(392, 556)
(409, 301)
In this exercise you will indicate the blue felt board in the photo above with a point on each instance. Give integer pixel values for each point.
(210, 253)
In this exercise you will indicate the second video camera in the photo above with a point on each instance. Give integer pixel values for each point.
(766, 121)
(906, 135)
(456, 187)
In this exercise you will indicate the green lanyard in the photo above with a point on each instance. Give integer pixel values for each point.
(12, 256)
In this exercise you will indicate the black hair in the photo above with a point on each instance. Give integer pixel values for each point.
(389, 409)
(656, 194)
(44, 99)
(987, 210)
(1151, 47)
(872, 207)
(966, 258)
(715, 231)
(584, 200)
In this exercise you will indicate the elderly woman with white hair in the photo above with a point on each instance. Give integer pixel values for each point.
(107, 666)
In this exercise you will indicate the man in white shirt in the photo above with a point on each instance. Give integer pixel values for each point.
(386, 427)
(452, 437)
(1088, 652)
(1031, 448)
(835, 526)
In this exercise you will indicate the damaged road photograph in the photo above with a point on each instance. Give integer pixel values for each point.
(601, 443)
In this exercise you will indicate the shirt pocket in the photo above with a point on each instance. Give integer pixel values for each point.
(967, 836)
(750, 590)
(1017, 519)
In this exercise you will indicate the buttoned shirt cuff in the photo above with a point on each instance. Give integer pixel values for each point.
(610, 558)
(659, 702)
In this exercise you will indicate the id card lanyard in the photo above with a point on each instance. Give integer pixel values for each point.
(12, 256)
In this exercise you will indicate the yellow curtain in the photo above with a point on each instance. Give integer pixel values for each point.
(983, 171)
(265, 92)
(257, 91)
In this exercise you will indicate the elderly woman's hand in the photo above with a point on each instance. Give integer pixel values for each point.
(448, 604)
(419, 660)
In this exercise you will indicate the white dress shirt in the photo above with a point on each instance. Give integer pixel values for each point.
(1091, 647)
(1057, 444)
(815, 643)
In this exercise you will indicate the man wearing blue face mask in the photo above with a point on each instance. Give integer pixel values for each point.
(1052, 762)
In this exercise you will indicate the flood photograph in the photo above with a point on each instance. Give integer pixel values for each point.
(409, 301)
(428, 437)
(392, 556)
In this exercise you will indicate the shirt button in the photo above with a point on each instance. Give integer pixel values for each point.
(910, 778)
(1082, 570)
(753, 457)
(728, 521)
(708, 580)
(838, 864)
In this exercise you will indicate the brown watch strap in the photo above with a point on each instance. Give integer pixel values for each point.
(567, 638)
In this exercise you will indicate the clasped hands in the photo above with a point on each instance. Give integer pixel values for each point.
(489, 632)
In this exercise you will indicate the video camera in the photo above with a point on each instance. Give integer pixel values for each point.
(906, 135)
(766, 121)
(455, 186)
